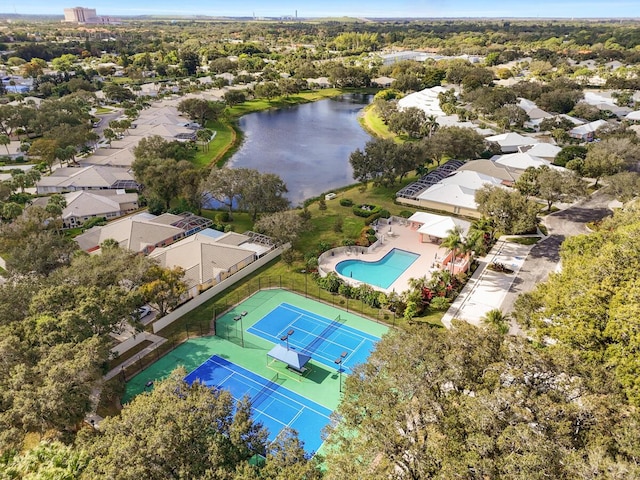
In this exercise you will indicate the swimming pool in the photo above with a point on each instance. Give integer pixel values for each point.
(381, 273)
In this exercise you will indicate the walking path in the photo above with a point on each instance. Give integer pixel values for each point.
(144, 336)
(487, 289)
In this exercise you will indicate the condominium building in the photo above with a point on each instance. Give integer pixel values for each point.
(80, 15)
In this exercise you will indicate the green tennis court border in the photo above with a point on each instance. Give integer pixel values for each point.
(320, 385)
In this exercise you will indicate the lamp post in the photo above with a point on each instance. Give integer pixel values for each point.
(238, 318)
(338, 362)
(285, 338)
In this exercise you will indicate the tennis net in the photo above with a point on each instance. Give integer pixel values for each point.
(332, 327)
(264, 392)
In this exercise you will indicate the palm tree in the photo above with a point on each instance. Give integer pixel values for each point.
(431, 125)
(496, 319)
(5, 140)
(485, 227)
(453, 241)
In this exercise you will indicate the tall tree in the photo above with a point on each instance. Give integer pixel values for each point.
(176, 431)
(200, 110)
(164, 289)
(473, 403)
(226, 185)
(5, 141)
(283, 227)
(454, 142)
(453, 241)
(509, 210)
(45, 149)
(264, 193)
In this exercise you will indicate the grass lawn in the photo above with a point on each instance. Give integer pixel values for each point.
(372, 123)
(221, 145)
(241, 223)
(324, 221)
(524, 240)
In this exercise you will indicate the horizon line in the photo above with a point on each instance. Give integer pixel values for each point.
(361, 17)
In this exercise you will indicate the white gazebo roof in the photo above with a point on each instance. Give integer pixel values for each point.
(437, 225)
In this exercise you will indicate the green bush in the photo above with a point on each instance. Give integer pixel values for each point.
(405, 213)
(371, 218)
(385, 213)
(95, 221)
(345, 202)
(366, 210)
(222, 217)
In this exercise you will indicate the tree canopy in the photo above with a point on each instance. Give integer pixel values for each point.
(473, 403)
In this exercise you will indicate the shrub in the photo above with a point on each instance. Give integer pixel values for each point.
(222, 217)
(385, 213)
(288, 256)
(330, 283)
(371, 218)
(345, 202)
(499, 267)
(345, 290)
(324, 246)
(365, 210)
(439, 303)
(92, 222)
(405, 214)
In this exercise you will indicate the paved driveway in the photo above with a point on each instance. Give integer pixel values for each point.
(487, 290)
(544, 257)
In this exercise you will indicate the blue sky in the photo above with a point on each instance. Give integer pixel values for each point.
(355, 8)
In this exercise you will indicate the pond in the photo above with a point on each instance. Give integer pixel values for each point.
(308, 145)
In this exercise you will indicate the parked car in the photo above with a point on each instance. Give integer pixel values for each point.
(142, 312)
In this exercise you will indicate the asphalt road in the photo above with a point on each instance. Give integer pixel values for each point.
(544, 257)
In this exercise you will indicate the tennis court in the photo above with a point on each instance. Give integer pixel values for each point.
(273, 405)
(326, 340)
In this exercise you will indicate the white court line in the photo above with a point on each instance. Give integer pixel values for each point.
(277, 395)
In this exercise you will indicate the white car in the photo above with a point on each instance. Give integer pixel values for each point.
(143, 311)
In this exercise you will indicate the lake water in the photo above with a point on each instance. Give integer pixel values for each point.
(308, 145)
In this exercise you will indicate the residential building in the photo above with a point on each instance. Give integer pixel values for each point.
(509, 142)
(71, 179)
(520, 161)
(84, 205)
(143, 232)
(209, 257)
(587, 132)
(454, 194)
(507, 174)
(546, 151)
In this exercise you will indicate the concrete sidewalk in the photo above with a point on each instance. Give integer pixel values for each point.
(145, 336)
(486, 289)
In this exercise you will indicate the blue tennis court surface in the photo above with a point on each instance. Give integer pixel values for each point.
(324, 339)
(275, 406)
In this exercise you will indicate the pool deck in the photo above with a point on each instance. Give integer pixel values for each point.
(394, 236)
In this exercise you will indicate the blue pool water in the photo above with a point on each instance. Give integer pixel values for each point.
(381, 273)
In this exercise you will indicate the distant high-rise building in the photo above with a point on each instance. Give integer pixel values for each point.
(79, 15)
(86, 15)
